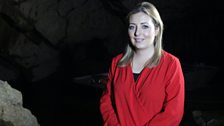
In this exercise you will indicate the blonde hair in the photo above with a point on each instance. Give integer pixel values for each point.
(151, 11)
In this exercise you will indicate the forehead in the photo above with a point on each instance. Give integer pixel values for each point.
(140, 17)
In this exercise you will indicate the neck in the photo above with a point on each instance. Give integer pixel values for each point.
(140, 58)
(144, 54)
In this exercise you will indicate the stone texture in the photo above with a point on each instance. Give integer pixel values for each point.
(12, 112)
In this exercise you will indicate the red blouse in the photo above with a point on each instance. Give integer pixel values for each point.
(156, 98)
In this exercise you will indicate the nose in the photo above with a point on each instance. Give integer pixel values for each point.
(137, 31)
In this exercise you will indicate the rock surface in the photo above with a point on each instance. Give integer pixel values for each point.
(12, 112)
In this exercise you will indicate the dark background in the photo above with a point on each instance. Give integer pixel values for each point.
(45, 45)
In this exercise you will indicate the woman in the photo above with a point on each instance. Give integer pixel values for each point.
(145, 83)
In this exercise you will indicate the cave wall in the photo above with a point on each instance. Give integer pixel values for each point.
(37, 37)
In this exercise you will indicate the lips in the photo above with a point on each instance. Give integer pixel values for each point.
(138, 40)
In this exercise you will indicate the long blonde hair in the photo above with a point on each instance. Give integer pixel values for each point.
(151, 11)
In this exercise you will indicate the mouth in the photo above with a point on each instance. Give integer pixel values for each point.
(137, 40)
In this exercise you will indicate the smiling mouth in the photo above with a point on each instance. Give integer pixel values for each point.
(138, 40)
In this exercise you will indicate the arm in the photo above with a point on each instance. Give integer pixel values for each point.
(106, 108)
(173, 107)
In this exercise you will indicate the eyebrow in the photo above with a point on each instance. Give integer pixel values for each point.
(140, 23)
(144, 23)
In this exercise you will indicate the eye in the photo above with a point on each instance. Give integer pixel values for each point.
(131, 27)
(145, 26)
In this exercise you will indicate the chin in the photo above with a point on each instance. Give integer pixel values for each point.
(140, 46)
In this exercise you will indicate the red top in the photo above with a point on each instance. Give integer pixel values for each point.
(156, 98)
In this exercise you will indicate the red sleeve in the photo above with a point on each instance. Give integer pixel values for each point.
(106, 108)
(173, 108)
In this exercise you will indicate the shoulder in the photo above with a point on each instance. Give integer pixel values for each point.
(171, 64)
(115, 61)
(117, 57)
(169, 58)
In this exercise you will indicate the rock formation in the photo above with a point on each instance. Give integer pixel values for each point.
(12, 112)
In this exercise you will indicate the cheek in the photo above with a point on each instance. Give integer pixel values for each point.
(148, 34)
(130, 34)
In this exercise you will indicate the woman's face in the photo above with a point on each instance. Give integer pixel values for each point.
(142, 31)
